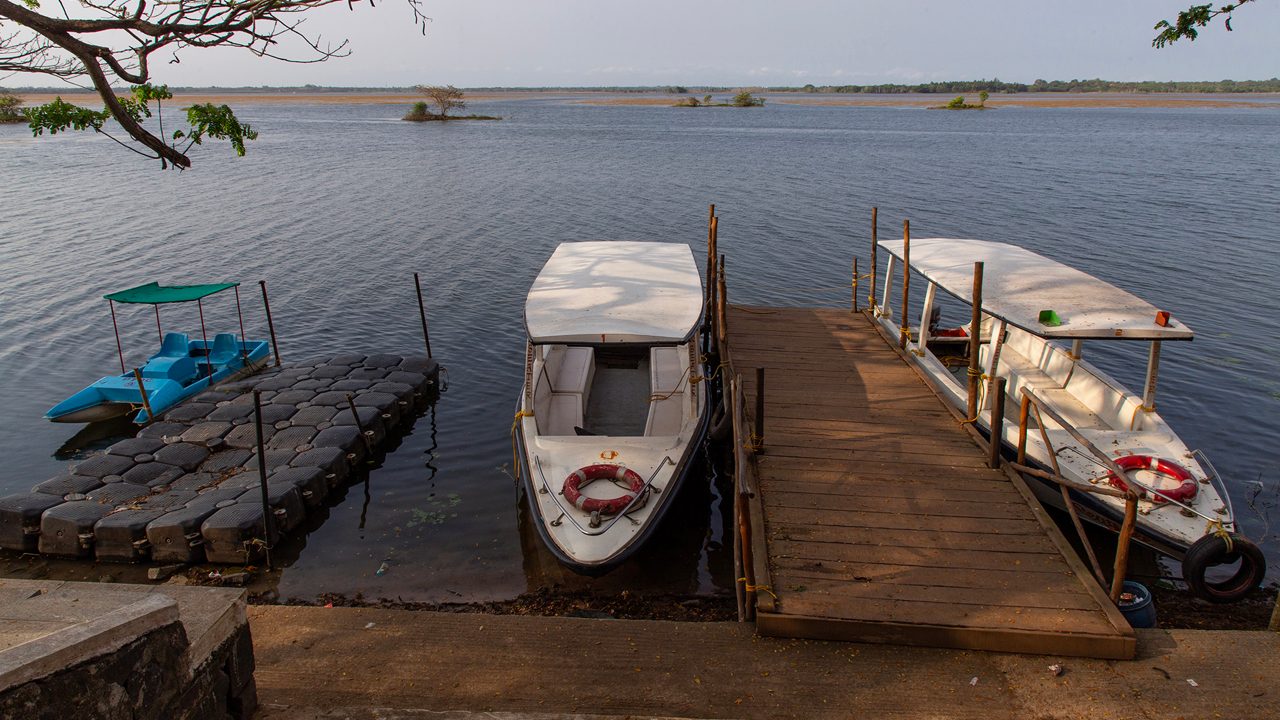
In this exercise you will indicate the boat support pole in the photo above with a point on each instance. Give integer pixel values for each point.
(208, 351)
(904, 336)
(116, 328)
(422, 312)
(266, 304)
(158, 330)
(244, 351)
(975, 337)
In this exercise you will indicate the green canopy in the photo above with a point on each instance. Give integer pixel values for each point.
(157, 294)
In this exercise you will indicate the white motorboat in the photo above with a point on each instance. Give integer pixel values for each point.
(615, 398)
(1036, 315)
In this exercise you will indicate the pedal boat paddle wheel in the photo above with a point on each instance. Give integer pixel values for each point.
(181, 368)
(1035, 316)
(615, 399)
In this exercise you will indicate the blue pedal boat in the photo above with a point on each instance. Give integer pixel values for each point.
(183, 367)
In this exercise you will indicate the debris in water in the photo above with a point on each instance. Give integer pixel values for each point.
(974, 681)
(382, 569)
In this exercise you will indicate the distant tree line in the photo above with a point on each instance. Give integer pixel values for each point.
(1095, 85)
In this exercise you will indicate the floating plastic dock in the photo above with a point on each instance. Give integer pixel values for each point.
(187, 488)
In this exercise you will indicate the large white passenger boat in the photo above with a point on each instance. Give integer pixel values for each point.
(1036, 316)
(615, 399)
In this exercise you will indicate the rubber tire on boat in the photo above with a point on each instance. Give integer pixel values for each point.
(1212, 550)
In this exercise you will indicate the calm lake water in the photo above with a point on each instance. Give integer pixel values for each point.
(337, 205)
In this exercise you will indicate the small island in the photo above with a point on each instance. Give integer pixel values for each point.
(958, 103)
(742, 99)
(11, 108)
(444, 98)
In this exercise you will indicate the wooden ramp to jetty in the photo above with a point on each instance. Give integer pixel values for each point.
(881, 519)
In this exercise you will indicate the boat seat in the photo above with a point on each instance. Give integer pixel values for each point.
(556, 413)
(225, 349)
(179, 369)
(175, 345)
(667, 380)
(1051, 391)
(569, 371)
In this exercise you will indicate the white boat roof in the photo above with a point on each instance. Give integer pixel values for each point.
(1018, 284)
(615, 292)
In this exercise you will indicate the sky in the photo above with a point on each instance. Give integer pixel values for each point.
(540, 43)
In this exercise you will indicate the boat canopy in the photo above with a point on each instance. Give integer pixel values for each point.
(1020, 287)
(615, 292)
(157, 294)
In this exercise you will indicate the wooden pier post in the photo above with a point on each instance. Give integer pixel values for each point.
(997, 424)
(721, 312)
(905, 334)
(855, 284)
(871, 297)
(1122, 545)
(266, 304)
(422, 312)
(757, 441)
(975, 333)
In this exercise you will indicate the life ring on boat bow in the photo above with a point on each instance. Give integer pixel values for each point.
(583, 476)
(1187, 485)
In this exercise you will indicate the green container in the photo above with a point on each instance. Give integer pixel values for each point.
(1050, 318)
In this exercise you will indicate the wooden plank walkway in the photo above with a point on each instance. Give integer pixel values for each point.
(881, 520)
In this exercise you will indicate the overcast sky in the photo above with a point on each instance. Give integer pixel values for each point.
(471, 43)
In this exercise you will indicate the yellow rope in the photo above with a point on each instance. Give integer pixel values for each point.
(756, 588)
(1216, 527)
(515, 451)
(754, 443)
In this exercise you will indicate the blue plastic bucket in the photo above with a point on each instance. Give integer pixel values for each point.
(1136, 605)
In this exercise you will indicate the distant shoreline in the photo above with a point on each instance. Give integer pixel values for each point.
(219, 96)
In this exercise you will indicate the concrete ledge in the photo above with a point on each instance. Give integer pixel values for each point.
(73, 644)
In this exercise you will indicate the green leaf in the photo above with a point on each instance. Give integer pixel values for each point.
(60, 115)
(218, 122)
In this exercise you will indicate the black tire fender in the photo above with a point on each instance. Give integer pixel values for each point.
(1219, 549)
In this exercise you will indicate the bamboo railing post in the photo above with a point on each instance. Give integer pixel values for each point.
(997, 424)
(855, 284)
(871, 297)
(712, 253)
(905, 333)
(740, 470)
(142, 390)
(1122, 545)
(1024, 413)
(722, 311)
(757, 439)
(975, 332)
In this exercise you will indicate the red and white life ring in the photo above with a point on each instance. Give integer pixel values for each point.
(583, 476)
(1187, 485)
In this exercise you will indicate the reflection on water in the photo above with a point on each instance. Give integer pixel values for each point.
(337, 213)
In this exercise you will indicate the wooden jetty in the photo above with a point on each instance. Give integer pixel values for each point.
(189, 487)
(867, 512)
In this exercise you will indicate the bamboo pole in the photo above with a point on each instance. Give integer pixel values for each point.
(905, 333)
(997, 424)
(975, 333)
(712, 252)
(262, 476)
(743, 489)
(1062, 487)
(722, 311)
(1122, 546)
(266, 304)
(142, 390)
(1023, 416)
(422, 313)
(871, 297)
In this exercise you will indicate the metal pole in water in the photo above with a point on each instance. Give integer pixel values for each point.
(208, 351)
(368, 446)
(142, 390)
(266, 304)
(159, 332)
(262, 473)
(422, 312)
(244, 351)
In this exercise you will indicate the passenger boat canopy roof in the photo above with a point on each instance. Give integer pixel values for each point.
(1018, 285)
(615, 292)
(157, 294)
